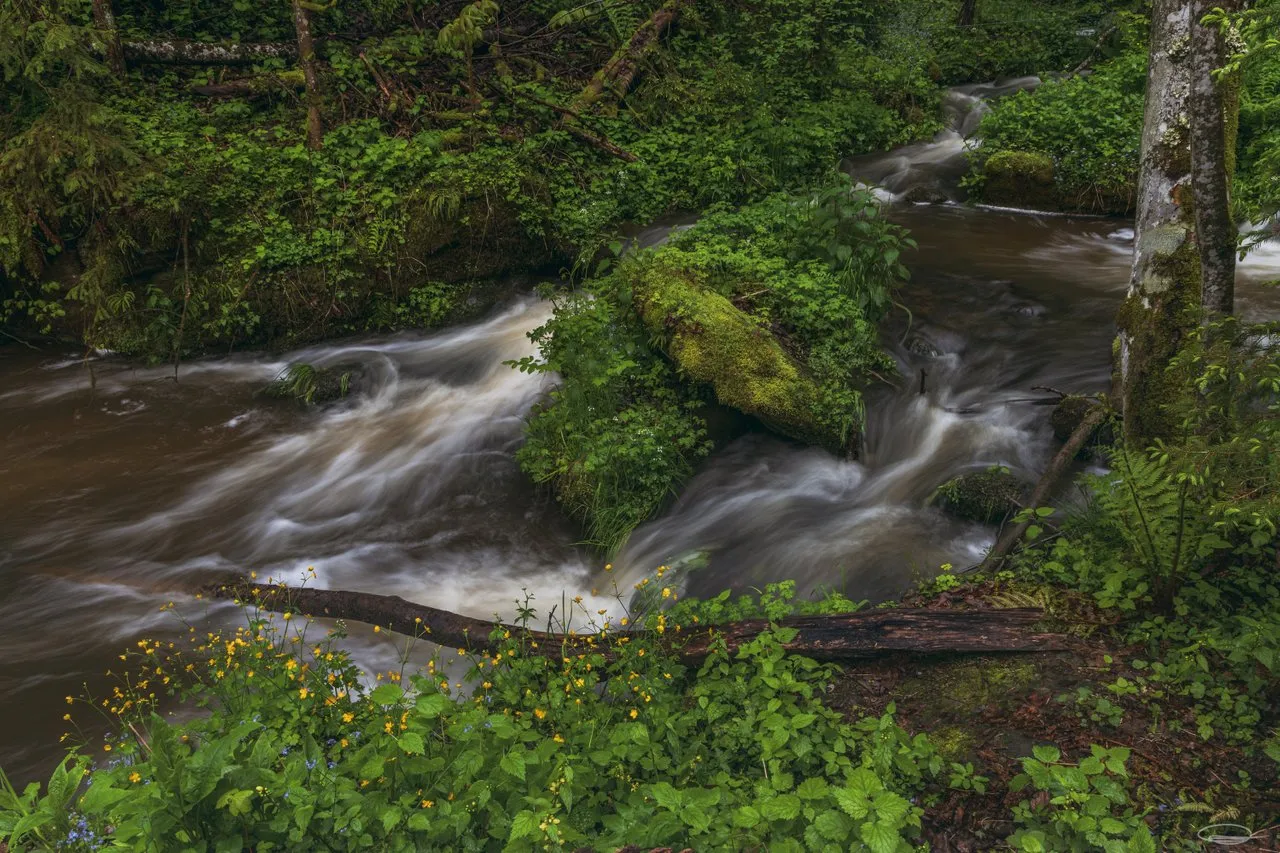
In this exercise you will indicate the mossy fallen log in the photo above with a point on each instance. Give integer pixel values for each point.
(849, 636)
(183, 52)
(715, 343)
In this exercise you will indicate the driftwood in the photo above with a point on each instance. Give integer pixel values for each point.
(618, 73)
(829, 638)
(1012, 535)
(181, 52)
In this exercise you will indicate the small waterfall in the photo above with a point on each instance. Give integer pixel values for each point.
(931, 171)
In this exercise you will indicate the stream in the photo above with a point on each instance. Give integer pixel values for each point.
(124, 489)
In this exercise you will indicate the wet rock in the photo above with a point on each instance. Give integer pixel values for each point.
(313, 385)
(715, 343)
(986, 497)
(1068, 414)
(1020, 179)
(925, 194)
(923, 347)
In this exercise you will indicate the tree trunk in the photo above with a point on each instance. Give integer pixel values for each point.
(104, 18)
(852, 636)
(1163, 302)
(618, 73)
(968, 8)
(180, 52)
(307, 59)
(1214, 106)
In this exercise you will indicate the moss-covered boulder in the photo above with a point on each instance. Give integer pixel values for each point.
(986, 497)
(715, 343)
(1020, 179)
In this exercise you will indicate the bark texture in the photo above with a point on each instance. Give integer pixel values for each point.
(1211, 141)
(968, 8)
(1163, 301)
(307, 59)
(832, 638)
(104, 18)
(619, 72)
(180, 52)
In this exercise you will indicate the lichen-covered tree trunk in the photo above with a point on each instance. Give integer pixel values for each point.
(1214, 105)
(1163, 302)
(968, 8)
(104, 18)
(307, 59)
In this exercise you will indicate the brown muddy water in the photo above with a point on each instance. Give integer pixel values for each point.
(123, 488)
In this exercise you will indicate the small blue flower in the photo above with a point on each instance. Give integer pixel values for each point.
(311, 764)
(332, 764)
(466, 729)
(284, 751)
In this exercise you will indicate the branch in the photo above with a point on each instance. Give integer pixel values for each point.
(829, 638)
(1057, 467)
(181, 52)
(620, 70)
(248, 86)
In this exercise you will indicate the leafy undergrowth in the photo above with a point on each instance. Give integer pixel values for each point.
(987, 715)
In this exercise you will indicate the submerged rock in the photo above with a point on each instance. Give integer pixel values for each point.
(314, 385)
(986, 497)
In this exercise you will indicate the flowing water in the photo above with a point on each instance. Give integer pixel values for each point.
(123, 488)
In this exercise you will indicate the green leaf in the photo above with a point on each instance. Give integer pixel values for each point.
(1047, 754)
(813, 788)
(432, 705)
(746, 817)
(1141, 842)
(880, 837)
(514, 762)
(832, 825)
(697, 819)
(522, 825)
(782, 807)
(411, 742)
(386, 694)
(666, 796)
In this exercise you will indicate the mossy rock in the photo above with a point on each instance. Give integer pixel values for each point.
(985, 496)
(315, 385)
(1069, 413)
(715, 343)
(1020, 179)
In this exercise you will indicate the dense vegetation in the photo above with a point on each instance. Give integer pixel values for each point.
(156, 214)
(1073, 143)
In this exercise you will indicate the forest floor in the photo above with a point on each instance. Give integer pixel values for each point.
(990, 711)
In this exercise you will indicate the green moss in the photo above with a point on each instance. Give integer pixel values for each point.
(714, 343)
(957, 690)
(954, 743)
(1020, 179)
(985, 496)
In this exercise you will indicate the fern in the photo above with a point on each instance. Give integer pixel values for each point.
(1160, 513)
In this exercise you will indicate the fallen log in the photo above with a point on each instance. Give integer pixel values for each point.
(1012, 535)
(828, 638)
(182, 52)
(618, 73)
(284, 81)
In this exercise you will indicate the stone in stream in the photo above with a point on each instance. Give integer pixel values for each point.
(315, 385)
(1020, 179)
(986, 497)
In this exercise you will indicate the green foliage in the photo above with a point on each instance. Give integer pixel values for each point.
(773, 308)
(1091, 127)
(1087, 806)
(618, 744)
(1009, 38)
